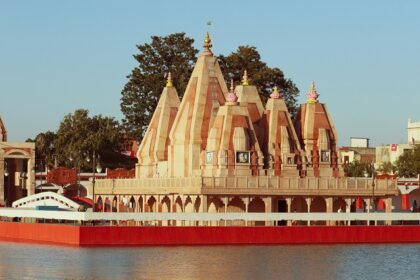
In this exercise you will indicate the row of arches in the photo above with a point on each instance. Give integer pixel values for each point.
(231, 204)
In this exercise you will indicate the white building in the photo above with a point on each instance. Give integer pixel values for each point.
(413, 132)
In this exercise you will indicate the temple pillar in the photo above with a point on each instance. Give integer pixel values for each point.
(388, 208)
(2, 176)
(329, 209)
(405, 201)
(308, 203)
(289, 206)
(368, 204)
(203, 208)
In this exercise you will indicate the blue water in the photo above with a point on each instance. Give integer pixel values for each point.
(28, 261)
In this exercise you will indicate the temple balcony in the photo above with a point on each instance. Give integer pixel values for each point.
(249, 185)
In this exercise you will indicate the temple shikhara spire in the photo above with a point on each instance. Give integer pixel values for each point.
(312, 94)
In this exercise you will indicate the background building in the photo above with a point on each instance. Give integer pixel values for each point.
(16, 168)
(359, 150)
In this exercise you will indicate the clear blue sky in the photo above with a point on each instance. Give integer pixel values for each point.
(57, 56)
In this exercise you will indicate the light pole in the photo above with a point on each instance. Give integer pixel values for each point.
(76, 164)
(96, 166)
(366, 174)
(6, 186)
(373, 188)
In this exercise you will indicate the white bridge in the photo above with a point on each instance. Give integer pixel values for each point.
(46, 199)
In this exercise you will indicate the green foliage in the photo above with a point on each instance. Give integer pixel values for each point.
(45, 150)
(358, 169)
(260, 75)
(387, 168)
(78, 137)
(174, 53)
(408, 164)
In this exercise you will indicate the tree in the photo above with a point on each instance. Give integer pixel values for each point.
(79, 135)
(174, 53)
(408, 164)
(45, 150)
(263, 77)
(358, 169)
(387, 167)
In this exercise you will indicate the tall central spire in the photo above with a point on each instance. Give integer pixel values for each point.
(207, 45)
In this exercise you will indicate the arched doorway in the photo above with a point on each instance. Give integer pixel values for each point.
(140, 204)
(235, 205)
(107, 206)
(131, 204)
(188, 206)
(214, 205)
(299, 205)
(318, 204)
(197, 204)
(165, 206)
(178, 205)
(115, 204)
(257, 205)
(99, 205)
(339, 203)
(151, 204)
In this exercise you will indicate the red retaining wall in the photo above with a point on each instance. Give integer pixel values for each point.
(125, 235)
(40, 233)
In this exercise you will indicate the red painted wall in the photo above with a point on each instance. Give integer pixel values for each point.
(43, 233)
(247, 235)
(125, 235)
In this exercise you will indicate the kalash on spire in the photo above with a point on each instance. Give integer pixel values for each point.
(312, 94)
(207, 45)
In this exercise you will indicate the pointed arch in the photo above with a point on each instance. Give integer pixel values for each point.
(132, 204)
(299, 205)
(115, 204)
(257, 205)
(339, 203)
(178, 205)
(99, 205)
(140, 204)
(151, 204)
(107, 206)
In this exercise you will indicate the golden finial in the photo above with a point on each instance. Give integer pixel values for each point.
(169, 80)
(276, 93)
(312, 94)
(245, 79)
(207, 44)
(231, 97)
(312, 86)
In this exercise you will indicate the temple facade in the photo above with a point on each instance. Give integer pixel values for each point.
(223, 150)
(17, 161)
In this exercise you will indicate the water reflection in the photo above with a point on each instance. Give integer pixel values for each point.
(27, 261)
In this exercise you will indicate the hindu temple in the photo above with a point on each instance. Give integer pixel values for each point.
(221, 149)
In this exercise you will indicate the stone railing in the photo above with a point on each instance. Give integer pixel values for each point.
(245, 184)
(190, 185)
(278, 184)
